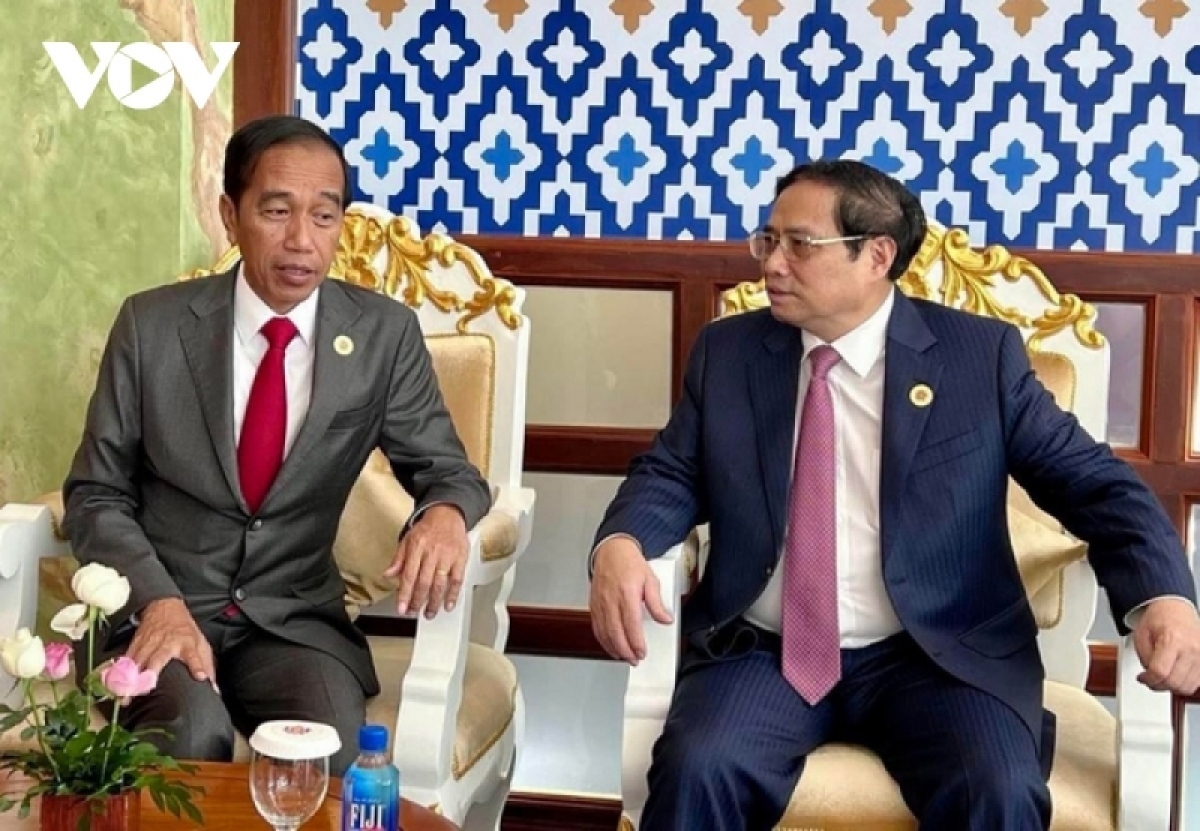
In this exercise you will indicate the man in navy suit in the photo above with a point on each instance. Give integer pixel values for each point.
(851, 450)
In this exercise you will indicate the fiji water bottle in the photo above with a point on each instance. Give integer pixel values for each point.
(371, 786)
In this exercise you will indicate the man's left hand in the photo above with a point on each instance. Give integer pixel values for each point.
(431, 562)
(1167, 639)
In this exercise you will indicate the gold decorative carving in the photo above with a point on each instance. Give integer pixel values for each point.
(408, 269)
(1022, 13)
(222, 265)
(967, 274)
(744, 297)
(889, 12)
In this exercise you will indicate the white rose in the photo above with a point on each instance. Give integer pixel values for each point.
(22, 655)
(71, 621)
(102, 587)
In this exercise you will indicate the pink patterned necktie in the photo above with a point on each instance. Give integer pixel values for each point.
(812, 659)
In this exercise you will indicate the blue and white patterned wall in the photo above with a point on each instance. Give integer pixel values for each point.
(1052, 125)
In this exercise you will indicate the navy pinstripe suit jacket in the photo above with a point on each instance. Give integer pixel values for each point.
(725, 455)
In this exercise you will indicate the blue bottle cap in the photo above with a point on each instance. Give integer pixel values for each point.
(372, 738)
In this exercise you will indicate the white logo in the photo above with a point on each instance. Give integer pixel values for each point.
(117, 61)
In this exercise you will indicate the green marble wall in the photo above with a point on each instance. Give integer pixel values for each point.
(96, 204)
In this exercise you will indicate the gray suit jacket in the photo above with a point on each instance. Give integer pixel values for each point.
(153, 490)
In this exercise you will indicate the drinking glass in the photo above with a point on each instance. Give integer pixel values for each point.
(287, 792)
(289, 771)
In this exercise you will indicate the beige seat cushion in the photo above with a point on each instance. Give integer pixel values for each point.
(846, 788)
(1042, 550)
(370, 525)
(488, 703)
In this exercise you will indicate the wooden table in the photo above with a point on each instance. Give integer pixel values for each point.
(226, 806)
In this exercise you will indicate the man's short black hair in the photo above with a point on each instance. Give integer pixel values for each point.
(247, 146)
(868, 202)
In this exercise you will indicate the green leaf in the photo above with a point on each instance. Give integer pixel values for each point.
(11, 720)
(193, 812)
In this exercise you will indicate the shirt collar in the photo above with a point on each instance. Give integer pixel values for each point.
(250, 312)
(861, 347)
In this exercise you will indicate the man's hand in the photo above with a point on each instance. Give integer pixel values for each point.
(1167, 640)
(431, 562)
(167, 631)
(622, 583)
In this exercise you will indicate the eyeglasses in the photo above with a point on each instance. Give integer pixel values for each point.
(795, 247)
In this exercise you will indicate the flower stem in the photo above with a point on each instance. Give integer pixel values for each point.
(37, 729)
(91, 640)
(112, 729)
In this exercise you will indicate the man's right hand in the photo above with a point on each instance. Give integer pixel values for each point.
(622, 584)
(167, 631)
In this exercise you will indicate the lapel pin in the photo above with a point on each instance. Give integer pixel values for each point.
(920, 395)
(343, 345)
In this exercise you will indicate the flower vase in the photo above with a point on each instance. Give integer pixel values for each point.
(120, 812)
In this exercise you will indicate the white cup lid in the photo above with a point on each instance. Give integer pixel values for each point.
(295, 740)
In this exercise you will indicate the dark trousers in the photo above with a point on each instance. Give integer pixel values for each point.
(262, 678)
(737, 734)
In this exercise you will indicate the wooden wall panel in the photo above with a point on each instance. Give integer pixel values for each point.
(264, 65)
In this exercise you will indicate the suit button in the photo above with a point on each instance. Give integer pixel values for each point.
(239, 595)
(254, 526)
(770, 570)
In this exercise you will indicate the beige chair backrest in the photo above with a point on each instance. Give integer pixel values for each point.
(1072, 361)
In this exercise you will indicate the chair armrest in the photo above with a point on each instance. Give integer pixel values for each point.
(652, 682)
(512, 505)
(1145, 742)
(26, 536)
(433, 684)
(432, 687)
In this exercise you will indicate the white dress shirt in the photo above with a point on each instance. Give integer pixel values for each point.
(865, 612)
(250, 345)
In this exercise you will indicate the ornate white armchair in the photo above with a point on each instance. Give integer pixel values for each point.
(450, 694)
(1111, 773)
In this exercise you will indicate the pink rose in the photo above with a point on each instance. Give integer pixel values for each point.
(58, 661)
(124, 679)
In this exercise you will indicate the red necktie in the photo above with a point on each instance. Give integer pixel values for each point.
(264, 428)
(812, 658)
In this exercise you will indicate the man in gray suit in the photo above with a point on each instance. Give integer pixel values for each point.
(230, 419)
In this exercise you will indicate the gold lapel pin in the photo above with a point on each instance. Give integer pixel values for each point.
(343, 345)
(920, 395)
